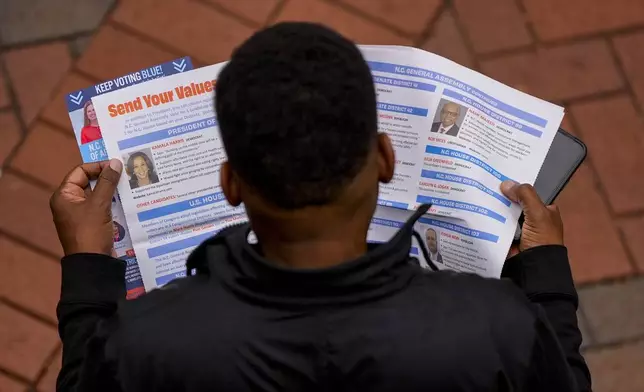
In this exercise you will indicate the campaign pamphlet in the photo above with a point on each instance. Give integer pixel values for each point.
(457, 135)
(89, 136)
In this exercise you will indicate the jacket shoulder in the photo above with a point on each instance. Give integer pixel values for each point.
(500, 299)
(160, 300)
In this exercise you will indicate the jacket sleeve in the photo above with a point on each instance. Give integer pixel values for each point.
(92, 286)
(544, 275)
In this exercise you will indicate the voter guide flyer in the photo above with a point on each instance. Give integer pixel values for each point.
(89, 136)
(457, 135)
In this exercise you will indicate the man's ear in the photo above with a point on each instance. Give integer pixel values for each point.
(230, 184)
(386, 158)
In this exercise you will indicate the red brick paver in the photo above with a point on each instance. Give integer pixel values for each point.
(618, 369)
(446, 40)
(128, 53)
(553, 19)
(10, 385)
(493, 25)
(4, 93)
(257, 11)
(629, 49)
(595, 249)
(9, 134)
(24, 208)
(25, 343)
(188, 26)
(612, 129)
(37, 148)
(585, 54)
(29, 279)
(409, 16)
(633, 231)
(559, 73)
(34, 73)
(48, 382)
(348, 23)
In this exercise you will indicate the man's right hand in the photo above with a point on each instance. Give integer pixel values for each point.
(83, 216)
(542, 224)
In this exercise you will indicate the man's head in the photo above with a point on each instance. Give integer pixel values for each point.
(450, 113)
(432, 240)
(296, 108)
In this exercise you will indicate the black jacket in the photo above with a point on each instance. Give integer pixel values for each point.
(378, 323)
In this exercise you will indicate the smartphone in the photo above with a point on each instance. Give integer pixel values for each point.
(564, 158)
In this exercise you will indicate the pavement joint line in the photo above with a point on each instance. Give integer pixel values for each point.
(476, 60)
(372, 19)
(621, 70)
(47, 363)
(124, 28)
(34, 248)
(615, 344)
(28, 312)
(430, 27)
(226, 12)
(277, 10)
(595, 176)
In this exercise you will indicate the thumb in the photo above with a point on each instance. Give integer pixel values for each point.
(527, 197)
(107, 181)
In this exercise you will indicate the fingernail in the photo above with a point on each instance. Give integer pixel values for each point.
(116, 165)
(507, 185)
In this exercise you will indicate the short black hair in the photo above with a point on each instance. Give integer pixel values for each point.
(296, 107)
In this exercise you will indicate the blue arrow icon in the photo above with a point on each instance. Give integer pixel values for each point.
(76, 99)
(179, 66)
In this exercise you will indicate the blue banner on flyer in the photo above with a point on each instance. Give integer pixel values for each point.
(77, 99)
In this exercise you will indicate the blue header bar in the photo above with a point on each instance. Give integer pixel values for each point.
(412, 110)
(391, 203)
(77, 99)
(459, 205)
(404, 83)
(161, 280)
(427, 74)
(167, 133)
(460, 229)
(492, 113)
(466, 157)
(181, 206)
(180, 245)
(387, 222)
(465, 181)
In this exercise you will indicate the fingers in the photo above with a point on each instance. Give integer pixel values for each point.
(526, 196)
(82, 174)
(107, 181)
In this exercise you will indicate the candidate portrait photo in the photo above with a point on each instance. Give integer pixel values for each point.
(449, 118)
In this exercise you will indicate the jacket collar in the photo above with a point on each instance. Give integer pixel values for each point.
(230, 259)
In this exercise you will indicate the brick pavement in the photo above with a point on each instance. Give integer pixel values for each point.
(591, 62)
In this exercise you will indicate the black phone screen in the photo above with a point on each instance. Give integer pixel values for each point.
(564, 157)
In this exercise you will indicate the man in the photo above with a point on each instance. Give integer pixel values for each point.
(449, 115)
(432, 245)
(309, 306)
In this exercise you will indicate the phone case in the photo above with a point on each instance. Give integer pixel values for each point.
(567, 178)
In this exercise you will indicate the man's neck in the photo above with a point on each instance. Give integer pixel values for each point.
(313, 240)
(447, 128)
(313, 254)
